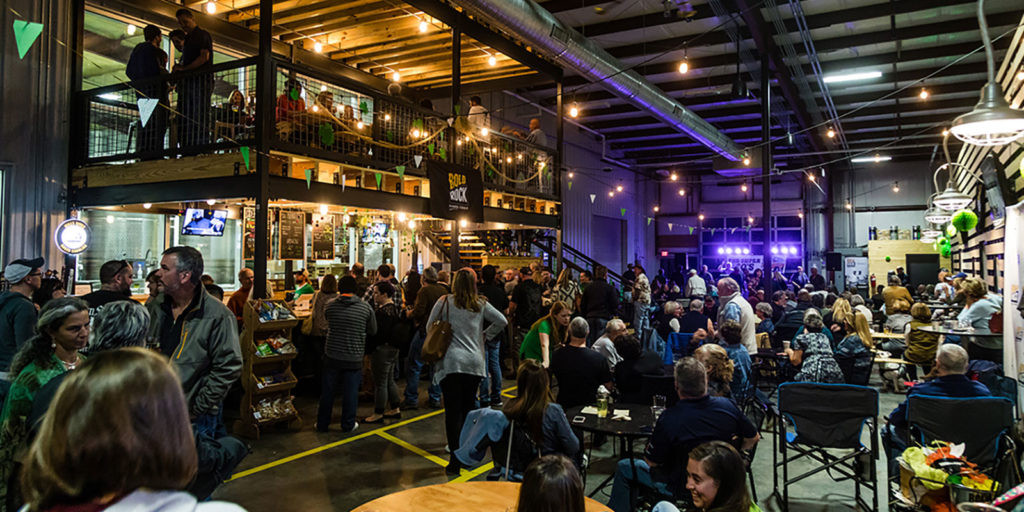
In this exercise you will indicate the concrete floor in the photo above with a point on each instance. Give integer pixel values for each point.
(306, 470)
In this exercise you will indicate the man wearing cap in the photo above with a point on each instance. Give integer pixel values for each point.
(115, 285)
(17, 313)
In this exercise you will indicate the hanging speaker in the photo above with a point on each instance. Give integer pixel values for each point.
(833, 261)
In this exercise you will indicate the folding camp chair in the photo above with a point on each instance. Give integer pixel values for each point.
(827, 416)
(857, 369)
(677, 346)
(1001, 386)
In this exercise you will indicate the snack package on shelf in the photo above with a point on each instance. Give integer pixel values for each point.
(275, 346)
(264, 350)
(270, 311)
(268, 409)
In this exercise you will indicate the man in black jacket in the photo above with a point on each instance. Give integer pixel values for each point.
(599, 303)
(147, 62)
(17, 313)
(490, 387)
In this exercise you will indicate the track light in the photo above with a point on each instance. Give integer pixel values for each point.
(211, 7)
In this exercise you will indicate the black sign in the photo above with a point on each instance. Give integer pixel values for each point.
(323, 237)
(291, 230)
(249, 229)
(456, 192)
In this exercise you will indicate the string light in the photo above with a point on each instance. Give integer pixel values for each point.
(211, 7)
(323, 209)
(401, 217)
(831, 133)
(945, 131)
(618, 188)
(415, 133)
(412, 223)
(396, 77)
(572, 175)
(463, 223)
(359, 125)
(810, 177)
(387, 117)
(674, 177)
(701, 217)
(485, 132)
(682, 191)
(896, 187)
(611, 193)
(318, 47)
(492, 61)
(147, 205)
(574, 111)
(849, 206)
(423, 27)
(1020, 75)
(130, 29)
(750, 219)
(656, 209)
(746, 160)
(923, 94)
(800, 214)
(684, 67)
(743, 187)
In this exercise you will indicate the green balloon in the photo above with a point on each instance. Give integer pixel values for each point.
(888, 258)
(964, 220)
(945, 251)
(950, 230)
(943, 241)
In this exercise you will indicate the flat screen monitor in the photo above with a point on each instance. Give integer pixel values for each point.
(375, 233)
(997, 188)
(199, 222)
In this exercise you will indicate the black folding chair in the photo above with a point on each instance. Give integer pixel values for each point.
(1001, 386)
(856, 370)
(827, 416)
(985, 436)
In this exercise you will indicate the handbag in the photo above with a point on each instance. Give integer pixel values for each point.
(439, 337)
(307, 323)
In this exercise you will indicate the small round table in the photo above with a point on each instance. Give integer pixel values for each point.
(977, 333)
(639, 425)
(455, 497)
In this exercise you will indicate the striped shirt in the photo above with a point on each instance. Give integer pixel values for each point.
(349, 322)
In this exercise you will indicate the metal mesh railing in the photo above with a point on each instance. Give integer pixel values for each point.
(508, 162)
(186, 113)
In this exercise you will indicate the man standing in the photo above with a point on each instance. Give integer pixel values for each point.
(238, 299)
(358, 272)
(695, 286)
(350, 321)
(478, 116)
(115, 285)
(735, 307)
(641, 301)
(578, 369)
(490, 387)
(194, 96)
(419, 312)
(17, 313)
(818, 280)
(598, 303)
(385, 275)
(526, 307)
(200, 336)
(147, 62)
(709, 280)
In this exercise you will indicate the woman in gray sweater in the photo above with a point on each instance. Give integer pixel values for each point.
(462, 368)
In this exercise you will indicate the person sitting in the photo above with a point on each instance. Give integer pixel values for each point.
(978, 310)
(921, 346)
(668, 319)
(116, 438)
(894, 291)
(944, 290)
(629, 373)
(812, 352)
(857, 304)
(290, 106)
(741, 386)
(856, 348)
(719, 367)
(764, 312)
(604, 345)
(534, 410)
(696, 322)
(837, 319)
(577, 369)
(716, 479)
(551, 484)
(950, 381)
(546, 335)
(695, 419)
(897, 318)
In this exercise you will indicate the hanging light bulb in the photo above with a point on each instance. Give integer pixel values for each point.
(896, 188)
(211, 7)
(318, 47)
(923, 94)
(701, 217)
(359, 125)
(800, 214)
(810, 177)
(945, 131)
(849, 206)
(682, 191)
(485, 132)
(992, 122)
(1020, 75)
(315, 108)
(147, 205)
(574, 111)
(387, 117)
(618, 188)
(396, 77)
(492, 61)
(412, 223)
(323, 209)
(674, 177)
(743, 187)
(750, 219)
(130, 29)
(684, 66)
(463, 223)
(572, 175)
(656, 209)
(746, 160)
(423, 27)
(401, 216)
(831, 133)
(611, 193)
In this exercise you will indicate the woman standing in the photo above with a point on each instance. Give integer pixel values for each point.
(52, 288)
(567, 289)
(546, 334)
(812, 352)
(534, 409)
(383, 348)
(328, 292)
(62, 330)
(462, 368)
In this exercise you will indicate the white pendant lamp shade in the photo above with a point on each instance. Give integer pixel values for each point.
(937, 216)
(992, 122)
(951, 200)
(931, 232)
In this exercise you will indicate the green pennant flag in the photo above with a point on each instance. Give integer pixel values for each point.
(309, 177)
(691, 229)
(245, 156)
(25, 35)
(430, 148)
(444, 153)
(649, 221)
(622, 211)
(570, 185)
(293, 94)
(400, 169)
(712, 231)
(363, 108)
(378, 177)
(327, 134)
(417, 123)
(390, 135)
(458, 109)
(748, 228)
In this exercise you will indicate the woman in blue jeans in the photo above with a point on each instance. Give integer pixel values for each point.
(383, 350)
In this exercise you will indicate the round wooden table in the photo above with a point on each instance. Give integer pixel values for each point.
(468, 496)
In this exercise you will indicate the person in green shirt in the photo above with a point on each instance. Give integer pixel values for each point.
(302, 284)
(546, 334)
(62, 330)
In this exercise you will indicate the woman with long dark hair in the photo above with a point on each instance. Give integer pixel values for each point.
(716, 480)
(61, 331)
(534, 409)
(551, 484)
(462, 368)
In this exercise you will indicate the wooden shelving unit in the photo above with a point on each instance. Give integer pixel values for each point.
(255, 367)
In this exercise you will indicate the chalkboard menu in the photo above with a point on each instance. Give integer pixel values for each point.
(291, 230)
(323, 237)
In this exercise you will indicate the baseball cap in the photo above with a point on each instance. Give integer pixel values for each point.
(16, 270)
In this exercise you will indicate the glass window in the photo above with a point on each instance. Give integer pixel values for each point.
(135, 237)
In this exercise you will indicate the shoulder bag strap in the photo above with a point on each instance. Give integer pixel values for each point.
(508, 452)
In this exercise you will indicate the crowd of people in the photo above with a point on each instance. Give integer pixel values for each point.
(564, 341)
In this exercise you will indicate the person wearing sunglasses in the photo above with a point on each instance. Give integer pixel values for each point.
(17, 313)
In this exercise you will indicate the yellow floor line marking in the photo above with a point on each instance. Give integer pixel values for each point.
(469, 475)
(314, 451)
(415, 449)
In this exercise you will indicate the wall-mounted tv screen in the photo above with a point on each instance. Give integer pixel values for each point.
(199, 222)
(375, 233)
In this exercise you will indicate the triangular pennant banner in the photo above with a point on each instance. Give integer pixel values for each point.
(390, 135)
(649, 221)
(622, 211)
(691, 230)
(369, 152)
(430, 148)
(400, 169)
(245, 156)
(570, 185)
(146, 108)
(733, 231)
(458, 110)
(712, 231)
(451, 120)
(327, 134)
(293, 94)
(417, 159)
(342, 182)
(592, 197)
(309, 177)
(25, 35)
(670, 226)
(363, 108)
(378, 177)
(444, 153)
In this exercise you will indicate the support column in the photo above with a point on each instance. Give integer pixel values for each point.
(557, 173)
(265, 92)
(456, 87)
(453, 247)
(766, 175)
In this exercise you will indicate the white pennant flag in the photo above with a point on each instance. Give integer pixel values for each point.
(146, 108)
(670, 226)
(417, 159)
(451, 120)
(592, 197)
(342, 182)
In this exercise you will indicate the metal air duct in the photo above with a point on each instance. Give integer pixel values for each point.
(526, 21)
